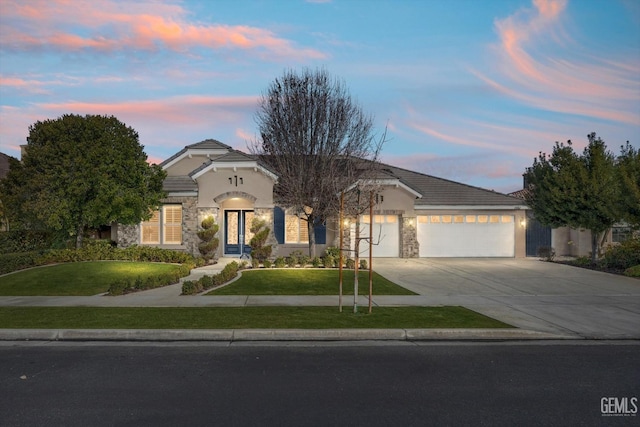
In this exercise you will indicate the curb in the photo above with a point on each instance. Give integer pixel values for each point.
(232, 335)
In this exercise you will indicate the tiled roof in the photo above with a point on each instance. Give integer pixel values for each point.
(442, 192)
(520, 194)
(209, 144)
(235, 156)
(231, 157)
(176, 184)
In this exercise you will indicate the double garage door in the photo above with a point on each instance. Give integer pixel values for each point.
(442, 236)
(466, 235)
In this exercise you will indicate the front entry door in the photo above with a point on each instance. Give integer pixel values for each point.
(237, 233)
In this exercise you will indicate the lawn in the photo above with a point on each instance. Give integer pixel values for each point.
(307, 282)
(77, 278)
(241, 318)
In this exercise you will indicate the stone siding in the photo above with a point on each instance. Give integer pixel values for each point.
(127, 235)
(409, 246)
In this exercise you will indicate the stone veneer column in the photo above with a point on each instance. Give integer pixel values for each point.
(410, 248)
(128, 235)
(202, 214)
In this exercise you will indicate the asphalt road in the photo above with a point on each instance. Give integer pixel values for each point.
(212, 384)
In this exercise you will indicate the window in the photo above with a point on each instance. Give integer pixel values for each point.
(151, 229)
(507, 218)
(165, 226)
(446, 219)
(483, 218)
(423, 219)
(458, 219)
(470, 218)
(172, 225)
(494, 218)
(296, 230)
(435, 219)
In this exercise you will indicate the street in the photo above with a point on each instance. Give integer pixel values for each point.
(373, 384)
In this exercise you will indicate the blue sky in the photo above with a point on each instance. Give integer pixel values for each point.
(469, 90)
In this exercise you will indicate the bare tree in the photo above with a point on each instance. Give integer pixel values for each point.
(316, 139)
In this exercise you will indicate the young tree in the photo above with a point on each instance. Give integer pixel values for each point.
(83, 171)
(314, 137)
(567, 189)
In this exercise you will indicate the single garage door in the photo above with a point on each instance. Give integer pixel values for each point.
(386, 236)
(466, 235)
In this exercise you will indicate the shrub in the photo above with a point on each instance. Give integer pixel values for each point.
(547, 253)
(294, 258)
(328, 261)
(206, 282)
(292, 261)
(260, 231)
(18, 261)
(303, 260)
(209, 241)
(332, 251)
(316, 262)
(267, 263)
(190, 287)
(364, 264)
(633, 271)
(120, 287)
(25, 241)
(582, 261)
(280, 262)
(351, 264)
(255, 263)
(243, 265)
(623, 255)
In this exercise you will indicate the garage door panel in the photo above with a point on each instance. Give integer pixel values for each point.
(467, 239)
(385, 234)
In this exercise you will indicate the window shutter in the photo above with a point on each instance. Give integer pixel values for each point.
(278, 224)
(320, 231)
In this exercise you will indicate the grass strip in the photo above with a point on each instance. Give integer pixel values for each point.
(307, 282)
(241, 318)
(77, 278)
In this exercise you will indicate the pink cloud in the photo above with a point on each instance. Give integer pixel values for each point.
(112, 25)
(604, 88)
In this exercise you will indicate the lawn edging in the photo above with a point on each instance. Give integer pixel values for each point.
(300, 335)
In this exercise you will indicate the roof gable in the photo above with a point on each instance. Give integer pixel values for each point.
(208, 148)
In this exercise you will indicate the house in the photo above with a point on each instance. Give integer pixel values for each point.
(416, 215)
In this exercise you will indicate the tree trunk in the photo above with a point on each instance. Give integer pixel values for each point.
(355, 267)
(79, 237)
(594, 246)
(312, 237)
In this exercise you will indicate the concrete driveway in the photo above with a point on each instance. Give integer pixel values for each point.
(527, 293)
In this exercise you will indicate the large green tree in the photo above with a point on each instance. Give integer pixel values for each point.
(629, 176)
(79, 172)
(579, 191)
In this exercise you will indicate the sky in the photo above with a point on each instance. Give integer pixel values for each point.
(468, 90)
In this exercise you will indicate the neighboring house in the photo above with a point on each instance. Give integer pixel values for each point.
(565, 241)
(416, 215)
